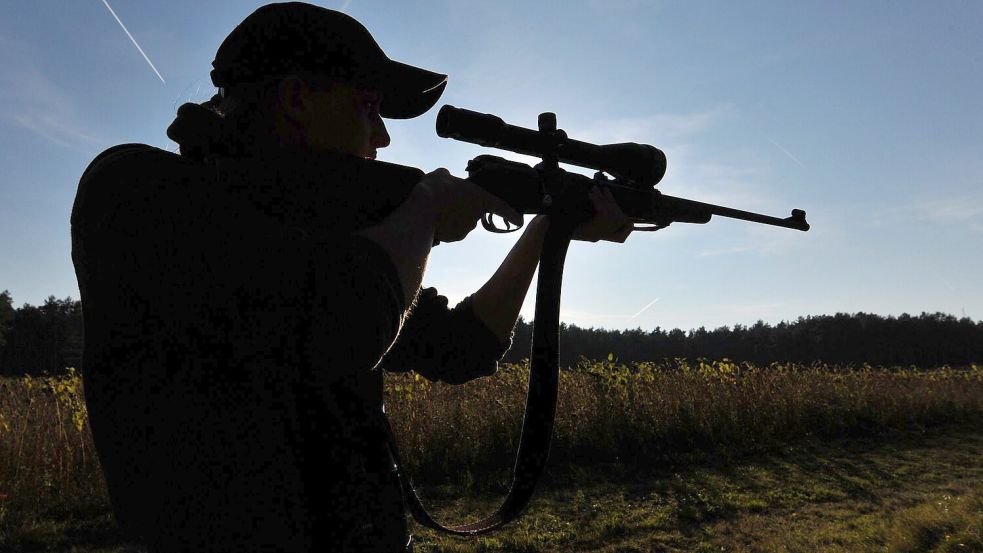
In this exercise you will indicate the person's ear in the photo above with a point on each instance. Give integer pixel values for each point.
(293, 99)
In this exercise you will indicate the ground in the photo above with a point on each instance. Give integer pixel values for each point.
(910, 491)
(918, 491)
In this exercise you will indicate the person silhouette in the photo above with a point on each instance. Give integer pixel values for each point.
(243, 298)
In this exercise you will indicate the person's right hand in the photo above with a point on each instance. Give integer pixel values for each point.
(458, 204)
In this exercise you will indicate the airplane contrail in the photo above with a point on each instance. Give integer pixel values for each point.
(644, 308)
(134, 41)
(345, 5)
(788, 153)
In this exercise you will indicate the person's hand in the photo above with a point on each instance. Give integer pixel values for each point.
(458, 204)
(608, 223)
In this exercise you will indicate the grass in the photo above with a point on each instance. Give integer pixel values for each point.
(702, 421)
(903, 492)
(47, 460)
(675, 412)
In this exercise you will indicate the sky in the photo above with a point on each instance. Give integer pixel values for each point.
(867, 115)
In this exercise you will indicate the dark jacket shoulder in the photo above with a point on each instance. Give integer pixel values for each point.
(111, 179)
(125, 158)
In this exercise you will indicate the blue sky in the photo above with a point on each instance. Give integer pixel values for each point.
(864, 114)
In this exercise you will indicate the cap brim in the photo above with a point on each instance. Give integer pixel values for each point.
(408, 91)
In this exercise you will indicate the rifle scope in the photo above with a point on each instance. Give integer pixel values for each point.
(641, 165)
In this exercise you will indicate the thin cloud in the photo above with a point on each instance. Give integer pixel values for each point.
(55, 130)
(765, 310)
(31, 101)
(697, 176)
(664, 126)
(575, 315)
(963, 208)
(344, 6)
(966, 210)
(690, 173)
(134, 41)
(761, 239)
(725, 251)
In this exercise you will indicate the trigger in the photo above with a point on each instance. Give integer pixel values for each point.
(486, 221)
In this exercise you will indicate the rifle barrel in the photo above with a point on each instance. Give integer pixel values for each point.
(797, 220)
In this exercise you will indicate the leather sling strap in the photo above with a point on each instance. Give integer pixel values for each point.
(537, 425)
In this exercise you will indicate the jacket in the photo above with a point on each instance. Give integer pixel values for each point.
(235, 336)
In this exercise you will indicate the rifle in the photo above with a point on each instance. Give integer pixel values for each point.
(635, 170)
(545, 188)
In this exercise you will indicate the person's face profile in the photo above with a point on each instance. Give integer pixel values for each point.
(345, 117)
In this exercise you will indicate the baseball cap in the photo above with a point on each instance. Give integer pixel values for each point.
(295, 36)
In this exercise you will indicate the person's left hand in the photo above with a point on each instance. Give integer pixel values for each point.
(608, 223)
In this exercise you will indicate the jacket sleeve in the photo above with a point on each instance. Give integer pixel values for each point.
(446, 345)
(358, 303)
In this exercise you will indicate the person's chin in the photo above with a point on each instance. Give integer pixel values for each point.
(354, 152)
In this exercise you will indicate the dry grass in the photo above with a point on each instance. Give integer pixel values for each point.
(636, 415)
(47, 459)
(670, 413)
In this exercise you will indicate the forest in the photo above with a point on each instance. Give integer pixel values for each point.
(35, 340)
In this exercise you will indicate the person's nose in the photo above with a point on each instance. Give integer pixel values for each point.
(380, 137)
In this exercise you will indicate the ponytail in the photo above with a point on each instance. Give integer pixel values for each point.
(223, 126)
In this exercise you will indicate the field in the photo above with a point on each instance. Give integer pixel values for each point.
(676, 456)
(903, 492)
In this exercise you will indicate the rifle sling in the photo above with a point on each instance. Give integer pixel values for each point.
(537, 425)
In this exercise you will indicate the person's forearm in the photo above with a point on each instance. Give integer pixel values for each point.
(407, 235)
(498, 302)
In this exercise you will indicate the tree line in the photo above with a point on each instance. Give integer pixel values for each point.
(48, 338)
(926, 340)
(39, 339)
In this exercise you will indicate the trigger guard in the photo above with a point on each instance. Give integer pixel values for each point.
(486, 221)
